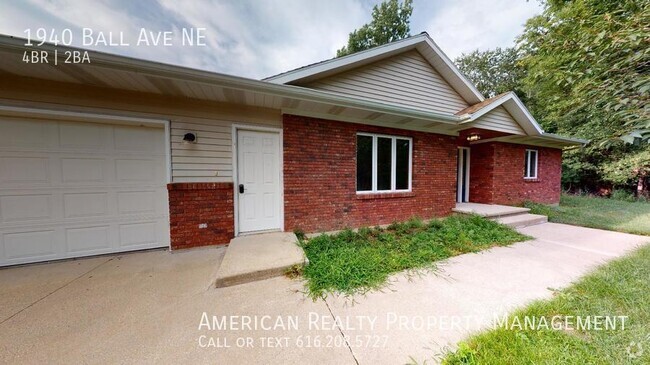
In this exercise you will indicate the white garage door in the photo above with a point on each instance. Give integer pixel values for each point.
(70, 189)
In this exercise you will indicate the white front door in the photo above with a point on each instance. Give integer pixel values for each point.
(258, 181)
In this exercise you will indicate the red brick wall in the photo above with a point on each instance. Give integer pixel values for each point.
(497, 174)
(191, 204)
(481, 173)
(320, 177)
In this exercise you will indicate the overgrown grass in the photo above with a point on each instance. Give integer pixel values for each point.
(621, 288)
(354, 262)
(603, 213)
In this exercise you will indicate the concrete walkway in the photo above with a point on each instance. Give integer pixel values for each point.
(473, 289)
(149, 307)
(257, 257)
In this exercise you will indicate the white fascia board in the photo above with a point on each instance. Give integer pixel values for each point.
(525, 110)
(555, 137)
(455, 71)
(340, 64)
(540, 141)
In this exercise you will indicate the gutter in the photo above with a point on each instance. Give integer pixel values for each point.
(556, 137)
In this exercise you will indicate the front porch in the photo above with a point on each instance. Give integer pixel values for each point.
(515, 217)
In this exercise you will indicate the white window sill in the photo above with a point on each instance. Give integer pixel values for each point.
(384, 195)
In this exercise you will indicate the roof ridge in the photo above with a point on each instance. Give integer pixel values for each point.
(421, 34)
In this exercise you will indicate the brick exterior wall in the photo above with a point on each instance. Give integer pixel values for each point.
(192, 204)
(320, 177)
(497, 174)
(481, 173)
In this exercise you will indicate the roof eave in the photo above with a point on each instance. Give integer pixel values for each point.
(571, 140)
(236, 82)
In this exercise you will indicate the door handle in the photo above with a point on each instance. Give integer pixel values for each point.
(241, 188)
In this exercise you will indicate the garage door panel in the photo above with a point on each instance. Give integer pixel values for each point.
(137, 140)
(71, 189)
(29, 245)
(130, 202)
(88, 239)
(136, 170)
(84, 136)
(83, 170)
(85, 204)
(24, 169)
(26, 134)
(138, 234)
(16, 208)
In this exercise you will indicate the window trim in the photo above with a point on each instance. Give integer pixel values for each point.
(527, 158)
(393, 171)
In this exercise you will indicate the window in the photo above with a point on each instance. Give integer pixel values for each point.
(530, 165)
(383, 163)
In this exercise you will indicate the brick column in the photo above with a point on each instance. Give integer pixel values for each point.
(200, 214)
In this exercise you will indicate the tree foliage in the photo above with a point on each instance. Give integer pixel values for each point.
(494, 71)
(588, 64)
(390, 22)
(583, 68)
(588, 75)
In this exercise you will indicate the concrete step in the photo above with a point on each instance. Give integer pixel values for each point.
(522, 220)
(258, 257)
(489, 210)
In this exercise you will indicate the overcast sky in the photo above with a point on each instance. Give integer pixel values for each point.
(259, 38)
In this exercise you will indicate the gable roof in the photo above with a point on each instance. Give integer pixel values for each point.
(405, 79)
(511, 102)
(421, 42)
(478, 105)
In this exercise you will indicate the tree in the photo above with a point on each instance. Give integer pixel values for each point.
(493, 71)
(390, 22)
(589, 61)
(588, 75)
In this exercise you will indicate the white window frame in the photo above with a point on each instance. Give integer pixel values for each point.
(527, 173)
(393, 172)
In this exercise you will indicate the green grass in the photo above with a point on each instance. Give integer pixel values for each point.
(619, 288)
(603, 213)
(355, 262)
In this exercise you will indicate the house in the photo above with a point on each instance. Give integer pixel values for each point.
(121, 154)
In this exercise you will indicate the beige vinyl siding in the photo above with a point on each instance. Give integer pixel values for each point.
(499, 120)
(406, 79)
(208, 160)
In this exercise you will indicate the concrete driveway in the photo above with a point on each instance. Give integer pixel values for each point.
(159, 307)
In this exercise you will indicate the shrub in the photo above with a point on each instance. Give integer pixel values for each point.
(623, 195)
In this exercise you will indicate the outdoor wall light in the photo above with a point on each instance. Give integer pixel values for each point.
(189, 138)
(472, 137)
